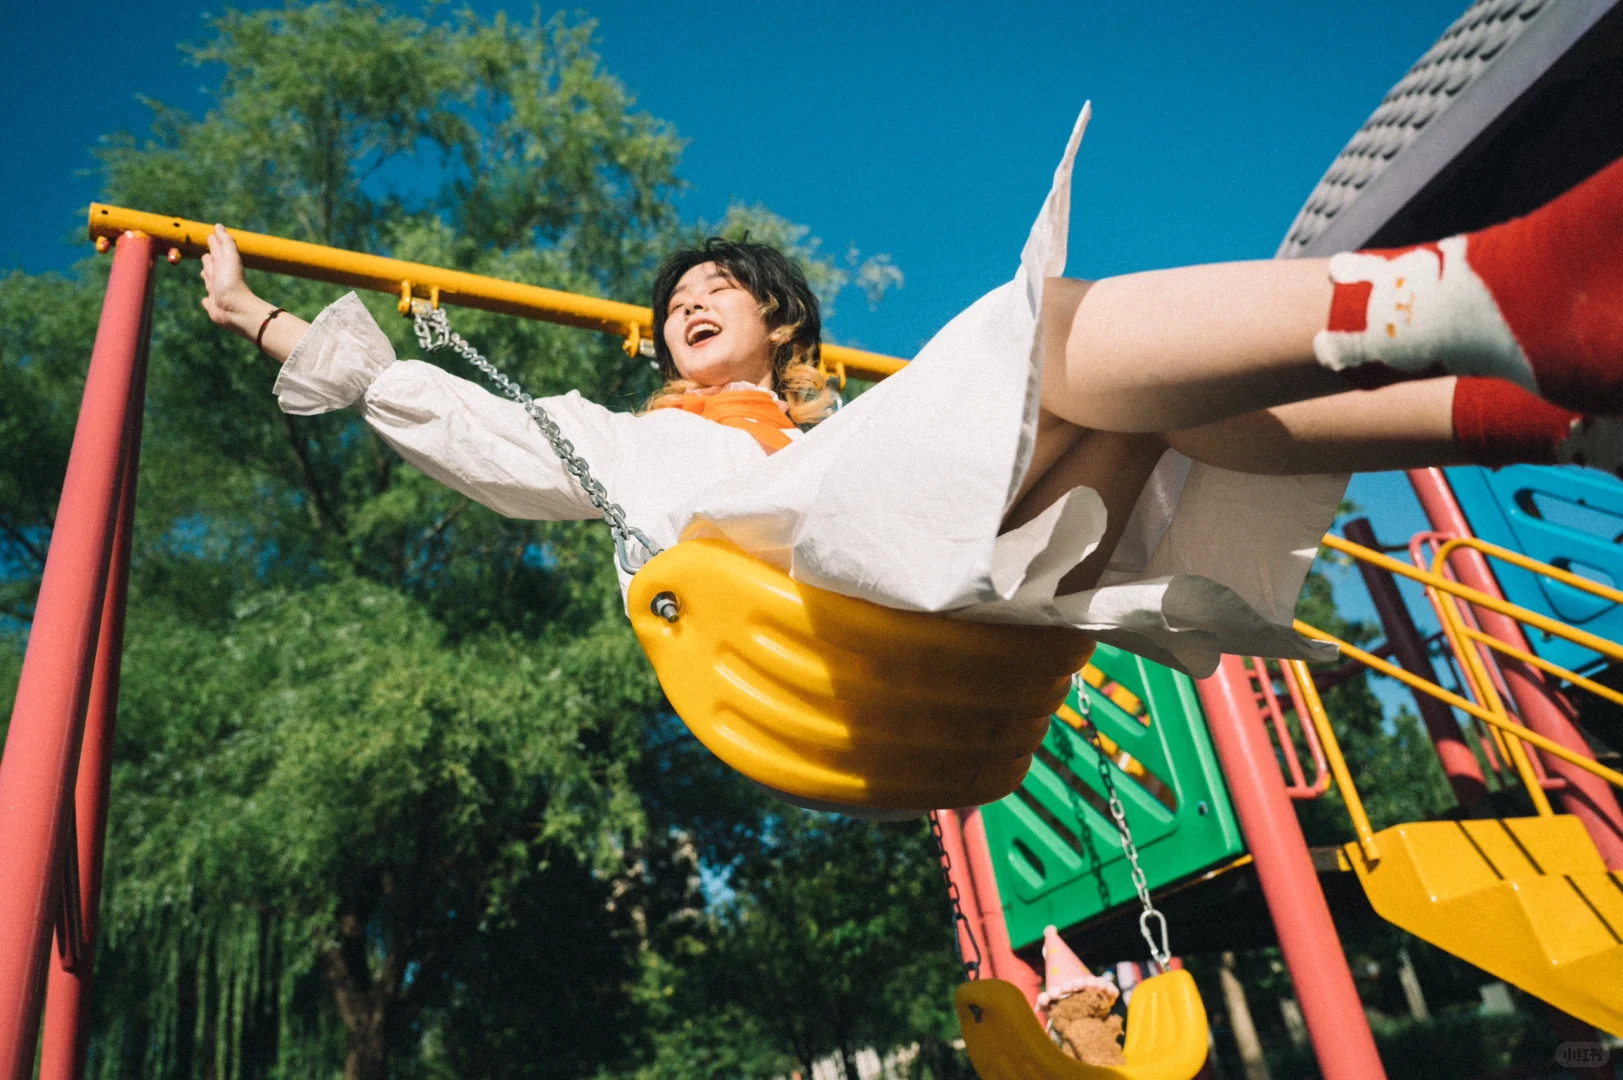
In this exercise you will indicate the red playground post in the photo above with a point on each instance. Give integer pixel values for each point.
(963, 837)
(67, 993)
(46, 860)
(1334, 1013)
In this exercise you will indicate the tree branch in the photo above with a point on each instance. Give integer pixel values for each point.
(444, 523)
(22, 541)
(324, 513)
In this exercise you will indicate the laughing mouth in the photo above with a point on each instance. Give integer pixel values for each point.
(701, 330)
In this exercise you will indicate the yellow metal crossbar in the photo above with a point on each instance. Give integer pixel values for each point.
(1516, 558)
(1448, 697)
(1482, 599)
(1544, 665)
(360, 271)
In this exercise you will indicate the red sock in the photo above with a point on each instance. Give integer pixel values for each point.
(1558, 277)
(1498, 423)
(1537, 300)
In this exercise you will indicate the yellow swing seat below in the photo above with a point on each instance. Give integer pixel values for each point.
(840, 700)
(1166, 1034)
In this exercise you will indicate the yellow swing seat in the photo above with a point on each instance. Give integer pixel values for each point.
(838, 700)
(1166, 1034)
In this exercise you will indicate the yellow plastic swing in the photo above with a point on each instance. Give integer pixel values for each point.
(1166, 1034)
(838, 700)
(823, 697)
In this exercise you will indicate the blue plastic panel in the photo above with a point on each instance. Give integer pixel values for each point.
(1566, 516)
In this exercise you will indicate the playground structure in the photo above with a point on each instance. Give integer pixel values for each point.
(1533, 896)
(1536, 900)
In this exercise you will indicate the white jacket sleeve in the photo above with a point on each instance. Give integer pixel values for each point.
(486, 447)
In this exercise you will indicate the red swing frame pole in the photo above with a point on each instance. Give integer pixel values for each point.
(67, 992)
(43, 858)
(1335, 1017)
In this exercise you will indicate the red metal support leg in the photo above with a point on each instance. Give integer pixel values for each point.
(1585, 796)
(999, 960)
(1459, 764)
(1307, 936)
(40, 762)
(971, 935)
(67, 995)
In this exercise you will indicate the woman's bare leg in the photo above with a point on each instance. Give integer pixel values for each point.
(1173, 349)
(1115, 466)
(1409, 425)
(1404, 426)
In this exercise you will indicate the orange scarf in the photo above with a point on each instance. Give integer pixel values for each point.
(754, 411)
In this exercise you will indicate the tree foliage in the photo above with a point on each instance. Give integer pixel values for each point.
(394, 788)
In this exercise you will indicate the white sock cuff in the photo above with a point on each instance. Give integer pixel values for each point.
(1427, 308)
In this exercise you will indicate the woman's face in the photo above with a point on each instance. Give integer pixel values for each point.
(715, 331)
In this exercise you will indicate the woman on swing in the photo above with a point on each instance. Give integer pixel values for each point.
(1151, 458)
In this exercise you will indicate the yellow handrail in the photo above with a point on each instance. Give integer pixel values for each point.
(1545, 666)
(1448, 697)
(1516, 558)
(1465, 640)
(1476, 672)
(1473, 596)
(360, 271)
(1338, 763)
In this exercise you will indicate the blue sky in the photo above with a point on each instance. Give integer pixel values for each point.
(925, 131)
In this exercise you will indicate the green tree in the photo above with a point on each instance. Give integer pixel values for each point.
(394, 787)
(837, 938)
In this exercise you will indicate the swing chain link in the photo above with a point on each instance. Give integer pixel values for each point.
(1155, 937)
(434, 333)
(972, 968)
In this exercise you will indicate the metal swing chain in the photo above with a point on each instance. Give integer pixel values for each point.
(972, 968)
(434, 333)
(1160, 951)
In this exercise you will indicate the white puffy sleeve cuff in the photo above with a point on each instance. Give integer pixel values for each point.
(484, 446)
(488, 448)
(336, 360)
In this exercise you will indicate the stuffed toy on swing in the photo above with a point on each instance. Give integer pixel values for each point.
(836, 701)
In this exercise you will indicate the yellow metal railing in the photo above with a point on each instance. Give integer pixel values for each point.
(1467, 643)
(408, 279)
(1483, 686)
(1492, 603)
(1338, 761)
(1448, 697)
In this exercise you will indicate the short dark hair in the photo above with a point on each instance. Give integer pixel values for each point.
(768, 275)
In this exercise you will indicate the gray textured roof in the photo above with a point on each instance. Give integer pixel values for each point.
(1481, 64)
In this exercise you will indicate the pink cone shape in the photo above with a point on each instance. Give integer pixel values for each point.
(1060, 964)
(1063, 973)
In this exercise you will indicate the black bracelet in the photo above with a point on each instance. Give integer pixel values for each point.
(259, 338)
